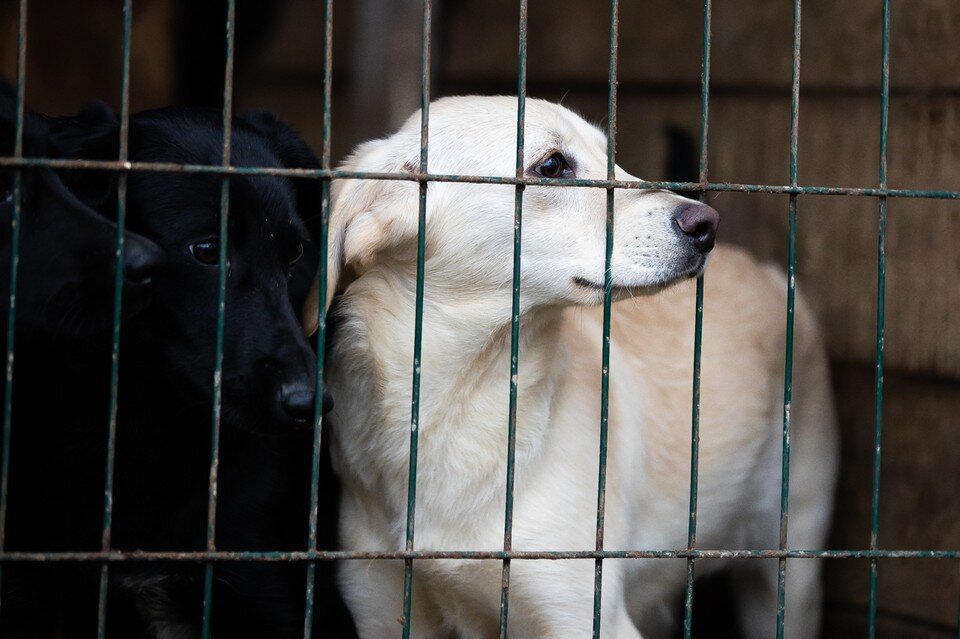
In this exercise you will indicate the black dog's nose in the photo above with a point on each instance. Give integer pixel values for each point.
(700, 222)
(141, 259)
(296, 399)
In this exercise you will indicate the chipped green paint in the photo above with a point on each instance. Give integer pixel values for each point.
(514, 323)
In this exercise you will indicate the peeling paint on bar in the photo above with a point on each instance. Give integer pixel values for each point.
(696, 187)
(791, 300)
(425, 43)
(349, 555)
(309, 595)
(881, 284)
(698, 331)
(14, 268)
(514, 321)
(607, 311)
(221, 310)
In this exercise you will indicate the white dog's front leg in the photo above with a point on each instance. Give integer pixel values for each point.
(374, 594)
(757, 592)
(554, 600)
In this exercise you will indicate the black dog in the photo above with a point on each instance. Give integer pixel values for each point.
(166, 396)
(67, 251)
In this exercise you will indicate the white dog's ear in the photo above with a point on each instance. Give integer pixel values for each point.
(366, 216)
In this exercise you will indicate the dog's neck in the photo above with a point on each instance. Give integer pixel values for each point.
(464, 390)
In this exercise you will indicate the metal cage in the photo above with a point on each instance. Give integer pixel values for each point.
(692, 553)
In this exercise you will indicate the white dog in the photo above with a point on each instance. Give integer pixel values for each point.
(660, 238)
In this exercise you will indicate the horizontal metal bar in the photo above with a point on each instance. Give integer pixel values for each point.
(338, 555)
(166, 167)
(488, 84)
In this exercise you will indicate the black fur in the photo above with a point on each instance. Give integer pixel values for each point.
(166, 402)
(67, 251)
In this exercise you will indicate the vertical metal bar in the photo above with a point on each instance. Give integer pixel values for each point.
(881, 285)
(418, 322)
(221, 306)
(958, 618)
(791, 295)
(694, 461)
(321, 315)
(14, 266)
(514, 321)
(698, 332)
(607, 285)
(117, 309)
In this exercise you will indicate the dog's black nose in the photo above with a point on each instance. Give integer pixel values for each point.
(699, 222)
(296, 399)
(141, 259)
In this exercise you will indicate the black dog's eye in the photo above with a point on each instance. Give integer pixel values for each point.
(207, 251)
(297, 254)
(554, 166)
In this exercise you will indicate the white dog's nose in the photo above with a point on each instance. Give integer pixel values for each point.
(699, 222)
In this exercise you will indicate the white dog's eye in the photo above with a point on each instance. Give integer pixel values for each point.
(555, 166)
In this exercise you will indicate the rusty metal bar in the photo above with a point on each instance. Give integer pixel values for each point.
(350, 555)
(696, 187)
(14, 264)
(221, 310)
(607, 311)
(321, 315)
(697, 331)
(418, 322)
(881, 286)
(791, 301)
(117, 314)
(514, 321)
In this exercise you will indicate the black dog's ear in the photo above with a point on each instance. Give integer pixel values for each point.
(287, 143)
(91, 134)
(34, 128)
(293, 153)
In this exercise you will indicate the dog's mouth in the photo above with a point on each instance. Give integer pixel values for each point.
(651, 287)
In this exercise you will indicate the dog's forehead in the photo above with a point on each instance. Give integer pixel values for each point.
(485, 128)
(497, 115)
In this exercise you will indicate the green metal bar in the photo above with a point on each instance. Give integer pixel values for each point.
(221, 310)
(321, 315)
(418, 321)
(696, 187)
(14, 268)
(697, 332)
(881, 286)
(791, 300)
(694, 461)
(138, 556)
(607, 310)
(117, 314)
(514, 321)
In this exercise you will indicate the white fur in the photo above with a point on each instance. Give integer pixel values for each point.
(465, 385)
